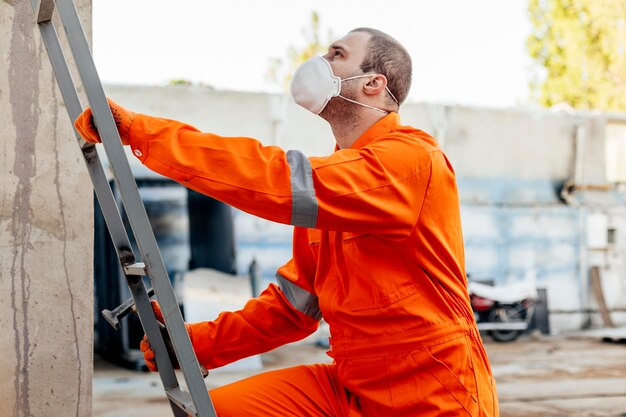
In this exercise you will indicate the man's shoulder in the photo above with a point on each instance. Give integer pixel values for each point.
(421, 138)
(407, 142)
(404, 153)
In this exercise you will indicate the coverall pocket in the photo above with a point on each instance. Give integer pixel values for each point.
(375, 274)
(450, 377)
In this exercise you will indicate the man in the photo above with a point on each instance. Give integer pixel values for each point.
(377, 249)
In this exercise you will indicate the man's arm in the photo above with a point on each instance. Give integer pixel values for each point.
(356, 190)
(277, 316)
(264, 323)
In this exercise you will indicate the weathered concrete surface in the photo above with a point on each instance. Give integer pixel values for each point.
(46, 288)
(536, 377)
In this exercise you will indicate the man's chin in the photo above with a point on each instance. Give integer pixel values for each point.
(335, 110)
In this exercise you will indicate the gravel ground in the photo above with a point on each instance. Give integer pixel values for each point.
(568, 376)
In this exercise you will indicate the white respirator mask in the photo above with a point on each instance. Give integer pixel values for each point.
(314, 84)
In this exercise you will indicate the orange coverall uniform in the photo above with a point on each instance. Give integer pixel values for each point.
(377, 252)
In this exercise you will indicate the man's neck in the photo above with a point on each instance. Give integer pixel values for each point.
(348, 132)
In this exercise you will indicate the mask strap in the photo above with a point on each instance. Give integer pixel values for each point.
(364, 105)
(392, 96)
(354, 77)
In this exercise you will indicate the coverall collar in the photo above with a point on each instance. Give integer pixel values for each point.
(385, 125)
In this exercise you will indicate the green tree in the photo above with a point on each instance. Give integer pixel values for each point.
(579, 47)
(281, 70)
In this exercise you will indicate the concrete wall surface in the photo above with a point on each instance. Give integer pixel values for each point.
(511, 165)
(46, 240)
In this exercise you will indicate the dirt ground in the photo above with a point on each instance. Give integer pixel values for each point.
(565, 376)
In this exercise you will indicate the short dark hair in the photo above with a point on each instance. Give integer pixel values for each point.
(387, 56)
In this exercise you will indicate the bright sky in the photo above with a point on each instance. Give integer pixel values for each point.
(464, 52)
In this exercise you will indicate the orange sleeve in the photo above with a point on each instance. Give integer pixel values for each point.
(376, 189)
(236, 170)
(264, 323)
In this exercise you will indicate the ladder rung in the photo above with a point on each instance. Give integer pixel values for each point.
(138, 268)
(43, 11)
(182, 399)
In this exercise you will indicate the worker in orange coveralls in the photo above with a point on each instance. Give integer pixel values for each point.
(377, 249)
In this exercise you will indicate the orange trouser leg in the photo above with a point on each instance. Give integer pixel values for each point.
(302, 391)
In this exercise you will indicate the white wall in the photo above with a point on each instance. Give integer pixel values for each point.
(510, 165)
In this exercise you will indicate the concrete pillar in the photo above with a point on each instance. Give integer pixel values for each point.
(46, 241)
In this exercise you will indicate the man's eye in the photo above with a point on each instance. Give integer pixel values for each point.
(338, 52)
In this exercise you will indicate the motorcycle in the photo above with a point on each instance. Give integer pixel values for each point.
(504, 312)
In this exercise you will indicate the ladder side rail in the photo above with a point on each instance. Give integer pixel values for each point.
(96, 172)
(135, 208)
(106, 201)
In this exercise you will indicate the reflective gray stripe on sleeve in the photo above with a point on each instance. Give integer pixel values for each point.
(300, 299)
(303, 201)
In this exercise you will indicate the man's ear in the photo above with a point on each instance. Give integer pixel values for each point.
(375, 85)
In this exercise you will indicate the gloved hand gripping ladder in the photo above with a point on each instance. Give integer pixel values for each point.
(196, 401)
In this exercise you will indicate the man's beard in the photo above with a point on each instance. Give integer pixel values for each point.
(339, 111)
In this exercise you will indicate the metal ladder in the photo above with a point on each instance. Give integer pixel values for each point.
(195, 401)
